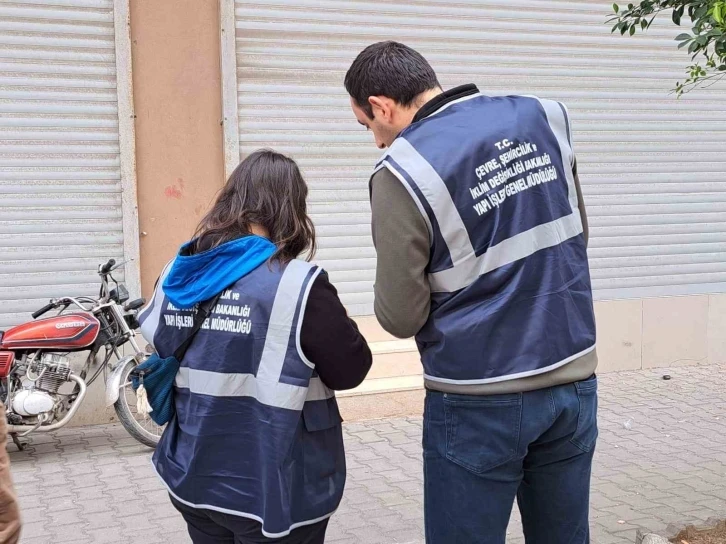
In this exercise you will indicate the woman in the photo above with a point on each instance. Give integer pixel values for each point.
(255, 450)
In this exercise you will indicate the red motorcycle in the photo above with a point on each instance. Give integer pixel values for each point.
(41, 391)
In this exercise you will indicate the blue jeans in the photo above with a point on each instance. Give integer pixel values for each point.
(480, 452)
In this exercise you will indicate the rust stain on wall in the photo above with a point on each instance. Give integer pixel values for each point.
(171, 191)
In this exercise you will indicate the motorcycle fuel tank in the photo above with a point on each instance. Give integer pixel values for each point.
(67, 332)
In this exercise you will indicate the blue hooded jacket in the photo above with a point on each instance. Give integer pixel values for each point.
(199, 277)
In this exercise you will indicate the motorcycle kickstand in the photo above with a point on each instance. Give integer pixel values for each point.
(21, 445)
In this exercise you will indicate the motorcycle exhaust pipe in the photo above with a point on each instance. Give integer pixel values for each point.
(62, 422)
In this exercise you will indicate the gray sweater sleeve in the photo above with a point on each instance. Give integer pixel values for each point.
(401, 237)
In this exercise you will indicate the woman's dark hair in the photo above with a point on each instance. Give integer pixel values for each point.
(389, 69)
(266, 189)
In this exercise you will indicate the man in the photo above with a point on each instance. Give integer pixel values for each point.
(481, 236)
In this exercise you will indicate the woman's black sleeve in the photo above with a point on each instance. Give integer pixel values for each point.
(331, 340)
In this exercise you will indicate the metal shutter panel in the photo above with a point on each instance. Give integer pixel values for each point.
(60, 180)
(651, 166)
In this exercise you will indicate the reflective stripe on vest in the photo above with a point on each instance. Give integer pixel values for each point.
(467, 267)
(266, 386)
(280, 395)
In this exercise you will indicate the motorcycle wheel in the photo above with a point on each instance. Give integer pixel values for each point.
(141, 427)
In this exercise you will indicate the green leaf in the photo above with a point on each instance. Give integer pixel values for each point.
(676, 17)
(718, 13)
(701, 12)
(683, 37)
(616, 8)
(632, 30)
(643, 24)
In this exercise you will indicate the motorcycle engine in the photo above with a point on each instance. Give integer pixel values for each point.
(40, 396)
(55, 370)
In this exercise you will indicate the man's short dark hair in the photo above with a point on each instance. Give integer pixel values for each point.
(389, 69)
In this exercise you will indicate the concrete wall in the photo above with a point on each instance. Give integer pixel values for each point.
(179, 156)
(661, 332)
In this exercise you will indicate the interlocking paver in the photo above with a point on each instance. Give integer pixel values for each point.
(34, 532)
(667, 465)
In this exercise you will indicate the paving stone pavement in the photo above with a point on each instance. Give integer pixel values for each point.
(661, 458)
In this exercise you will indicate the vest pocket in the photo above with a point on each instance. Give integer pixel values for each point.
(317, 463)
(322, 439)
(586, 432)
(319, 415)
(482, 433)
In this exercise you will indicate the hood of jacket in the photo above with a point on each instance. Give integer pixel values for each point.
(196, 278)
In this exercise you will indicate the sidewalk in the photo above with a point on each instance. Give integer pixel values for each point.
(661, 458)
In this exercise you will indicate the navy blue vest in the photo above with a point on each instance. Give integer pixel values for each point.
(511, 295)
(256, 432)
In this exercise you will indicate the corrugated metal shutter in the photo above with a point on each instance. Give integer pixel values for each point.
(652, 167)
(60, 188)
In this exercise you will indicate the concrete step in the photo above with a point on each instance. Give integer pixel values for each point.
(402, 403)
(371, 386)
(394, 385)
(392, 346)
(394, 364)
(396, 367)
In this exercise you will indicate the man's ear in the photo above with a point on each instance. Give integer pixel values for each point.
(381, 107)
